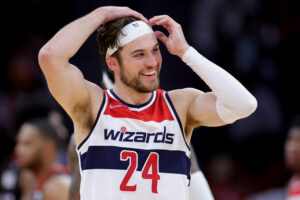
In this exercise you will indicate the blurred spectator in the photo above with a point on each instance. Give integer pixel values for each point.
(73, 163)
(292, 158)
(9, 171)
(36, 150)
(26, 85)
(56, 119)
(221, 171)
(292, 162)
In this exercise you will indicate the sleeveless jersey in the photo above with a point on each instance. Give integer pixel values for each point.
(135, 152)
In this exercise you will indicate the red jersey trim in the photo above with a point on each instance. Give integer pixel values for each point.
(158, 111)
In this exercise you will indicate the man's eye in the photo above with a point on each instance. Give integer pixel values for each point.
(139, 55)
(155, 50)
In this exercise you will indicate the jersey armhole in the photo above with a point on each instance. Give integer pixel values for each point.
(172, 108)
(96, 121)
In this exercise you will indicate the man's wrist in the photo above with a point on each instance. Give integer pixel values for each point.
(189, 54)
(183, 51)
(100, 14)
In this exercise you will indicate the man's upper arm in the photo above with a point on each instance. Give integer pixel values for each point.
(203, 109)
(199, 107)
(67, 84)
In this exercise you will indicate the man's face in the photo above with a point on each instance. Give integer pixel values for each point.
(29, 146)
(292, 149)
(140, 64)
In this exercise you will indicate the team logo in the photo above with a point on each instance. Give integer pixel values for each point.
(135, 24)
(117, 106)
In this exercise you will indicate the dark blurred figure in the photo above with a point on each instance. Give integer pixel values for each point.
(292, 158)
(25, 88)
(221, 173)
(37, 151)
(73, 164)
(9, 171)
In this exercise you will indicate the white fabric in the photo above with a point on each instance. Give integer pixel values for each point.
(107, 190)
(234, 101)
(103, 183)
(129, 33)
(199, 188)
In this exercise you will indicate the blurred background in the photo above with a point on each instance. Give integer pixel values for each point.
(257, 41)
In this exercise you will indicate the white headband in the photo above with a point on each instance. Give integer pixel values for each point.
(129, 33)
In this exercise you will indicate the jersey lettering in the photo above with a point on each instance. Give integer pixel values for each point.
(129, 136)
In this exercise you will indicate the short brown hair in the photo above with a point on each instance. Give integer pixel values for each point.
(108, 34)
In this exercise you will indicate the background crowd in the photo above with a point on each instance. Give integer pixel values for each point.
(257, 41)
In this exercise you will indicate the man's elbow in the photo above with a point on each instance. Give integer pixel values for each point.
(45, 57)
(249, 107)
(239, 110)
(252, 105)
(49, 57)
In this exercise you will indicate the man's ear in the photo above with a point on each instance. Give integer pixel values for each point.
(112, 63)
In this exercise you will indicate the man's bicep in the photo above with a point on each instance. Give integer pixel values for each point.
(203, 110)
(67, 85)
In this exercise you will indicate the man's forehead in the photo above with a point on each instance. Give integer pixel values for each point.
(142, 42)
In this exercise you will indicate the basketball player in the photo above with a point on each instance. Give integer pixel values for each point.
(36, 150)
(199, 188)
(133, 140)
(292, 158)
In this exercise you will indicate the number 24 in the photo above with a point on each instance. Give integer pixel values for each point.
(152, 162)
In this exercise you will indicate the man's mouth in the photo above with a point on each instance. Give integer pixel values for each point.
(149, 73)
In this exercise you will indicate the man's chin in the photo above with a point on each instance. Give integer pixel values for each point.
(146, 89)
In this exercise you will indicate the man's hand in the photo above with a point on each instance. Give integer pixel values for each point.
(175, 42)
(112, 13)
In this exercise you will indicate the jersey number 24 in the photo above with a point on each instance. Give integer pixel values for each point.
(151, 162)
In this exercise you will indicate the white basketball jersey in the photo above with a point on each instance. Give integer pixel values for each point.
(135, 152)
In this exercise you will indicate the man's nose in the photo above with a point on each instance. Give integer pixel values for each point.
(151, 60)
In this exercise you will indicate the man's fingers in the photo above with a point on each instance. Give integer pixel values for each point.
(162, 37)
(138, 15)
(159, 17)
(119, 12)
(163, 20)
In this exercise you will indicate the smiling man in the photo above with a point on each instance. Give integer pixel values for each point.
(133, 140)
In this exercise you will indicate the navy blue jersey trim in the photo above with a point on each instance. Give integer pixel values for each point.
(131, 105)
(108, 157)
(98, 115)
(178, 119)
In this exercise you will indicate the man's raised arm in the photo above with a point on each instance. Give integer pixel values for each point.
(229, 99)
(65, 81)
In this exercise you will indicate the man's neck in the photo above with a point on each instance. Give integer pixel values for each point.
(130, 95)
